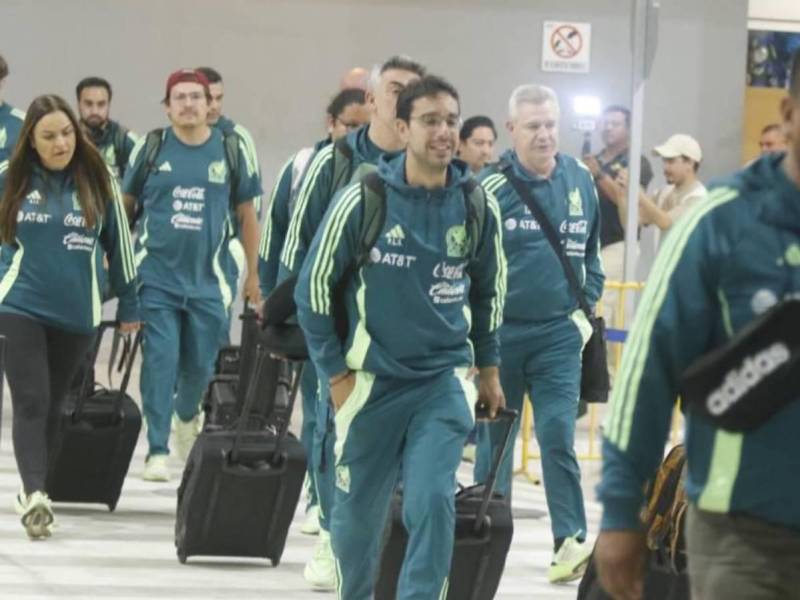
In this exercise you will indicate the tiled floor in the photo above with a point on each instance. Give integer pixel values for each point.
(95, 554)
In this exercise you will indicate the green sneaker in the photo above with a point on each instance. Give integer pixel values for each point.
(37, 514)
(570, 562)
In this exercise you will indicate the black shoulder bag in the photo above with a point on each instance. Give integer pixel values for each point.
(595, 382)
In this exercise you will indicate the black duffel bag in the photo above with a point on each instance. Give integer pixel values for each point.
(747, 381)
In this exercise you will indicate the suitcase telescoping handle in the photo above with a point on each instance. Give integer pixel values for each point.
(247, 409)
(249, 400)
(126, 377)
(87, 385)
(509, 417)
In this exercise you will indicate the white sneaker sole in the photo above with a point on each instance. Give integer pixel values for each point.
(576, 573)
(38, 522)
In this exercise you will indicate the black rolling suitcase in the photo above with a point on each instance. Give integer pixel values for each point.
(92, 443)
(241, 486)
(224, 397)
(484, 529)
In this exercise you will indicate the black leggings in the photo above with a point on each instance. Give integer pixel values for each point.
(40, 363)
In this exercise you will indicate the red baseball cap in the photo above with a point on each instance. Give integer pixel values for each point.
(184, 75)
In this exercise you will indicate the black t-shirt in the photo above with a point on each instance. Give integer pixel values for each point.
(611, 229)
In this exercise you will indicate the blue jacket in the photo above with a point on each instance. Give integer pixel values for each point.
(538, 289)
(729, 259)
(419, 307)
(11, 120)
(54, 270)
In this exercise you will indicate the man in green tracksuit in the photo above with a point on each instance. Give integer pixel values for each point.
(10, 120)
(543, 330)
(329, 171)
(346, 112)
(423, 307)
(114, 142)
(186, 202)
(732, 257)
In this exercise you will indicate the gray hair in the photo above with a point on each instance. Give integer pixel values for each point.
(532, 94)
(400, 62)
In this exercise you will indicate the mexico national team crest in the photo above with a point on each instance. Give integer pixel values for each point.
(456, 239)
(575, 203)
(3, 137)
(216, 172)
(110, 155)
(76, 205)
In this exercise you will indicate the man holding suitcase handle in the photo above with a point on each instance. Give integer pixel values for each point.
(399, 381)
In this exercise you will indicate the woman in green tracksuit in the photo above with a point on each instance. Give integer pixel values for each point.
(61, 211)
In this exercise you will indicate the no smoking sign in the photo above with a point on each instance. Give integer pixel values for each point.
(566, 47)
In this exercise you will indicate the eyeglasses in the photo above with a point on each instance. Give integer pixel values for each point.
(433, 122)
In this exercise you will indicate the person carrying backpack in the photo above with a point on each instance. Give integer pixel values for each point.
(721, 269)
(114, 141)
(346, 112)
(411, 259)
(184, 183)
(331, 169)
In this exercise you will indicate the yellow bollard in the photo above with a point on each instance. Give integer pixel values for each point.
(525, 429)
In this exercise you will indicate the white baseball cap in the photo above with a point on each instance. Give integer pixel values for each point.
(680, 144)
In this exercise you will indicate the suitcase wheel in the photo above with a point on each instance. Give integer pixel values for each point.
(181, 556)
(275, 561)
(112, 506)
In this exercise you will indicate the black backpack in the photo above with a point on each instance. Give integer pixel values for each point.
(280, 305)
(152, 146)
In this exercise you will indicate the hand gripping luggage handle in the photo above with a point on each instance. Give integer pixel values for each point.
(86, 390)
(510, 417)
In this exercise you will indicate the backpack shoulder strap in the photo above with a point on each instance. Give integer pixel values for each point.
(342, 163)
(230, 140)
(118, 142)
(152, 146)
(475, 203)
(373, 204)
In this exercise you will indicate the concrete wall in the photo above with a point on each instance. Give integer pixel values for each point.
(282, 59)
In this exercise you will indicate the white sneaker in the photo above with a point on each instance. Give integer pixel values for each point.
(570, 562)
(37, 515)
(186, 433)
(156, 468)
(320, 571)
(468, 453)
(311, 524)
